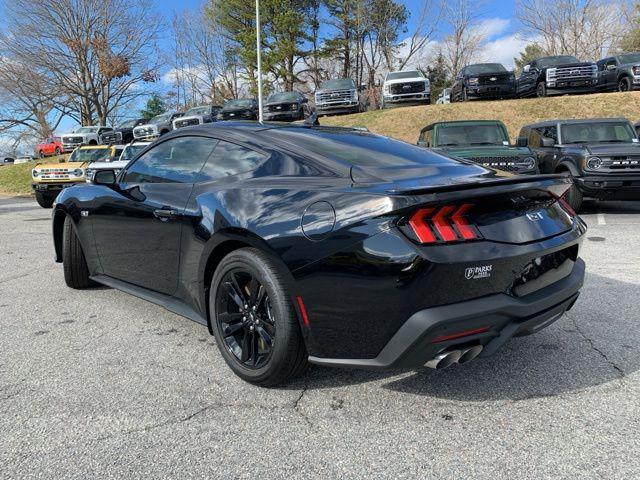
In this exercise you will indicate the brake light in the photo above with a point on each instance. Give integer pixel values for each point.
(446, 224)
(564, 204)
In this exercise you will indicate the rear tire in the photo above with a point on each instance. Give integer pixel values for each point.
(76, 272)
(45, 200)
(57, 151)
(286, 355)
(624, 84)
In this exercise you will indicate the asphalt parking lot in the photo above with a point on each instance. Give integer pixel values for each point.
(101, 384)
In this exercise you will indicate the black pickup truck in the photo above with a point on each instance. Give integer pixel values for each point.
(483, 80)
(558, 75)
(601, 155)
(123, 133)
(619, 73)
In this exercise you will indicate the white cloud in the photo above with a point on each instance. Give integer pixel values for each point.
(492, 27)
(504, 50)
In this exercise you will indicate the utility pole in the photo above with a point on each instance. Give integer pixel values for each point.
(259, 52)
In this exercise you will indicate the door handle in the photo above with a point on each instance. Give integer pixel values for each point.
(165, 214)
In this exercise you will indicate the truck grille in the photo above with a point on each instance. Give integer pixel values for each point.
(283, 107)
(187, 122)
(493, 79)
(144, 131)
(338, 95)
(72, 139)
(507, 164)
(409, 87)
(619, 163)
(566, 73)
(53, 174)
(111, 137)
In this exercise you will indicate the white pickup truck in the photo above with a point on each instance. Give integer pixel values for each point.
(128, 152)
(90, 135)
(407, 86)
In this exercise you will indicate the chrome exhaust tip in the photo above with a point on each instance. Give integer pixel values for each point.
(469, 354)
(444, 359)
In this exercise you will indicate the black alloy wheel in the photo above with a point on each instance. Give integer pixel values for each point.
(244, 312)
(254, 320)
(624, 84)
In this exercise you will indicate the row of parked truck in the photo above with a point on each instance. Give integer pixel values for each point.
(601, 155)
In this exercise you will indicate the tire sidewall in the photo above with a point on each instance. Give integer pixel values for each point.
(624, 84)
(541, 90)
(281, 308)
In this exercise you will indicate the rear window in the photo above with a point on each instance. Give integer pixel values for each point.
(356, 148)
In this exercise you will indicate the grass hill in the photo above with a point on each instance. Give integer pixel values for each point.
(405, 123)
(16, 179)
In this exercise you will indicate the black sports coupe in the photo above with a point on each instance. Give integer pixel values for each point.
(300, 243)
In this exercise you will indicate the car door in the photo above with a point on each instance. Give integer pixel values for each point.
(546, 155)
(137, 224)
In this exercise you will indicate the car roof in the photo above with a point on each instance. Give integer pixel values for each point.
(461, 122)
(547, 123)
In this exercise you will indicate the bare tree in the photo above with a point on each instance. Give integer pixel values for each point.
(428, 19)
(99, 52)
(464, 42)
(583, 28)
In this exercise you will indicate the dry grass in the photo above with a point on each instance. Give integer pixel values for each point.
(16, 179)
(405, 123)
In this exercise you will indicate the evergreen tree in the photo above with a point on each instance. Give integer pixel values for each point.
(438, 77)
(155, 106)
(530, 52)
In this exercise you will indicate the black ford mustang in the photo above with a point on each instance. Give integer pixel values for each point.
(335, 246)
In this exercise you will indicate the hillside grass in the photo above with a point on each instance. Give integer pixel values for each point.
(16, 179)
(405, 123)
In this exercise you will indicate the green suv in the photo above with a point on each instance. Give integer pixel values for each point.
(482, 141)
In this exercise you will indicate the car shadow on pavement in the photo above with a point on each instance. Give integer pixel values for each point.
(594, 344)
(610, 207)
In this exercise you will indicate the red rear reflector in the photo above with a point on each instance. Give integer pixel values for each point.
(303, 311)
(466, 333)
(443, 224)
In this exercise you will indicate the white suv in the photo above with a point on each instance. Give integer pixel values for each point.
(407, 86)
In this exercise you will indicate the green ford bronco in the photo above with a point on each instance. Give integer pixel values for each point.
(482, 141)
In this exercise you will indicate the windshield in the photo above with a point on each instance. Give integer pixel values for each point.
(131, 151)
(87, 130)
(165, 117)
(456, 135)
(484, 68)
(550, 61)
(202, 110)
(401, 75)
(343, 83)
(90, 155)
(239, 104)
(629, 58)
(128, 124)
(599, 132)
(283, 97)
(357, 148)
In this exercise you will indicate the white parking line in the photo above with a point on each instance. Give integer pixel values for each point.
(601, 220)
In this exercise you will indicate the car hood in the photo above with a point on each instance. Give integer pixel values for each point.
(71, 134)
(569, 65)
(405, 80)
(109, 165)
(614, 149)
(484, 151)
(235, 109)
(62, 166)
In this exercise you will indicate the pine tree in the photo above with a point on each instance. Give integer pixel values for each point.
(531, 52)
(155, 106)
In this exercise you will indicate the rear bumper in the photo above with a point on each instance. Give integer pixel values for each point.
(504, 317)
(621, 187)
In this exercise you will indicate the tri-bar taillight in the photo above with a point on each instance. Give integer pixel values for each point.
(444, 224)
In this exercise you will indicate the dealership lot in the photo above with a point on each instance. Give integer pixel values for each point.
(101, 384)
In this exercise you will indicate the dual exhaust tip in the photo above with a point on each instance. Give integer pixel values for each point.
(449, 357)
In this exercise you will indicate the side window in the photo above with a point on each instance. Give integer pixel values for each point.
(230, 159)
(601, 64)
(535, 138)
(177, 160)
(551, 132)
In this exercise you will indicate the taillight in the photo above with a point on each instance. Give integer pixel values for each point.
(564, 204)
(446, 224)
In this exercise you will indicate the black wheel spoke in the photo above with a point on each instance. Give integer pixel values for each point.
(246, 321)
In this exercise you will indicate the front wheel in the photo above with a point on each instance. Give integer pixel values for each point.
(57, 151)
(541, 90)
(624, 84)
(574, 197)
(45, 200)
(254, 320)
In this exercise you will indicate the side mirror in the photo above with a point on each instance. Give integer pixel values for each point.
(526, 68)
(105, 177)
(611, 67)
(522, 142)
(548, 142)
